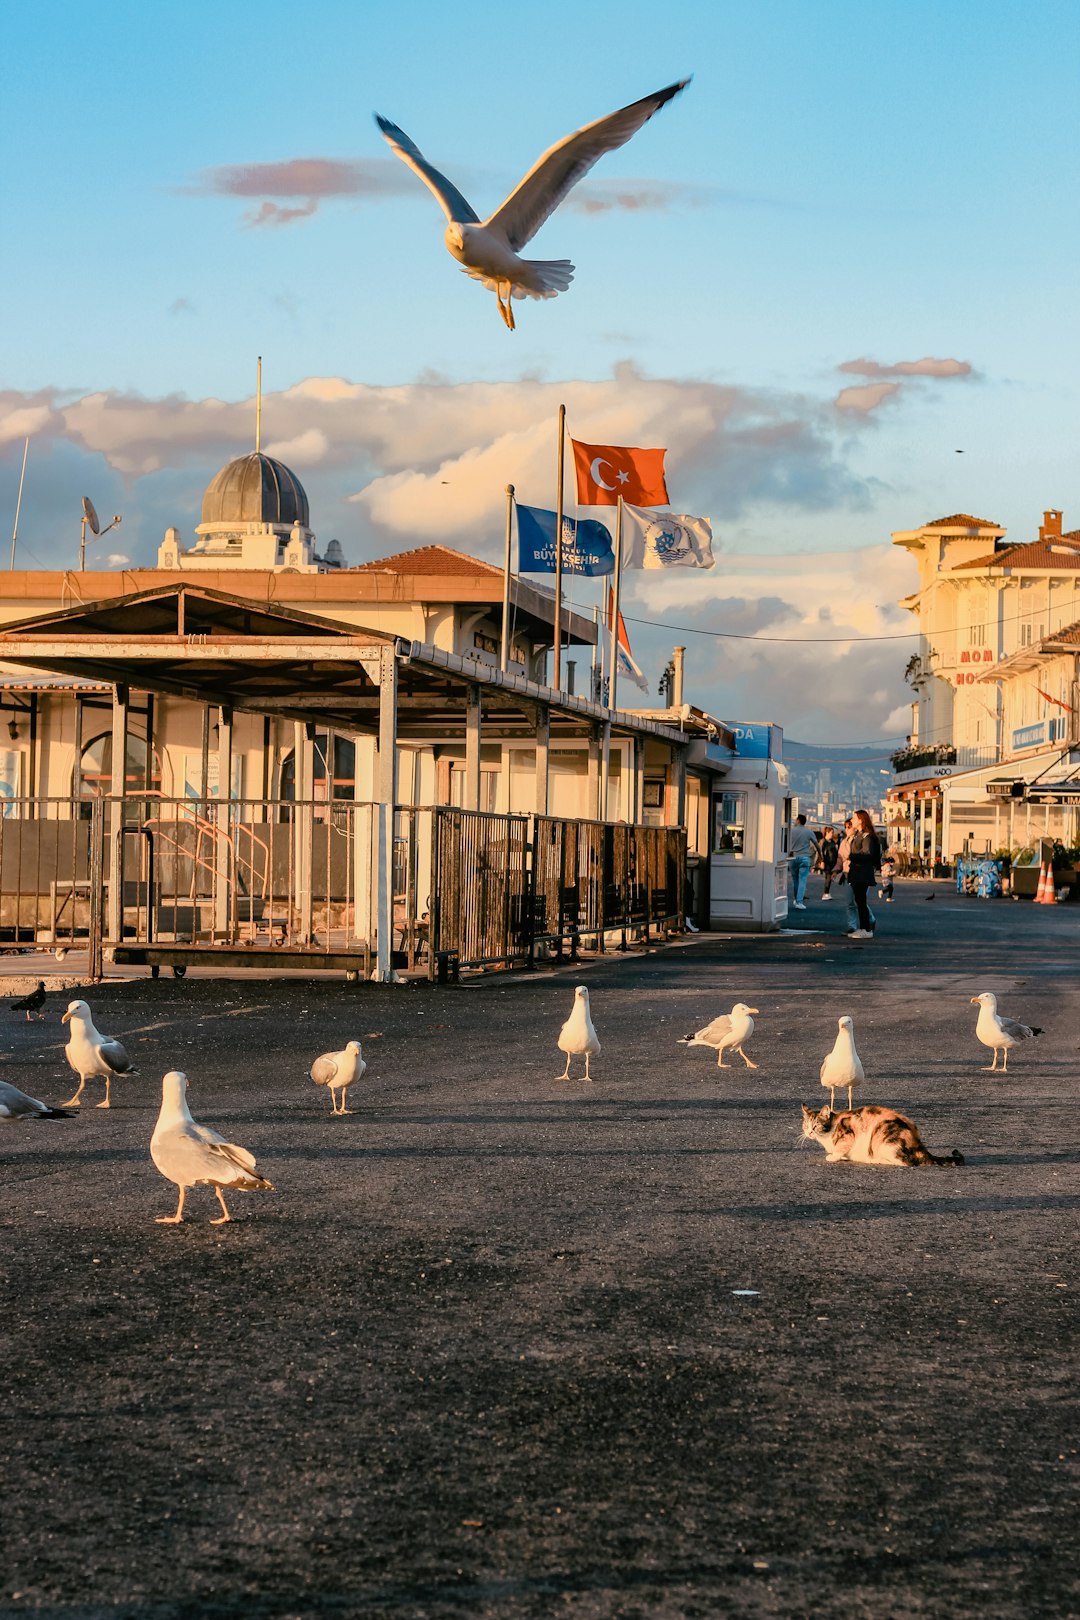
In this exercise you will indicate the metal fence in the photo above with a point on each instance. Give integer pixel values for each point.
(159, 881)
(506, 885)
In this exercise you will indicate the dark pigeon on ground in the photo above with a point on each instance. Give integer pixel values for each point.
(32, 1003)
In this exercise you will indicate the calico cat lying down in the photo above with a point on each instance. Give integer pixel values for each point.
(870, 1136)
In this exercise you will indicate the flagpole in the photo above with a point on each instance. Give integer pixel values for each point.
(613, 673)
(504, 652)
(556, 679)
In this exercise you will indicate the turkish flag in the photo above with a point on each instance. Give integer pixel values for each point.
(606, 471)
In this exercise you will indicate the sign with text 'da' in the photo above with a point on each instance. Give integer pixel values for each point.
(755, 740)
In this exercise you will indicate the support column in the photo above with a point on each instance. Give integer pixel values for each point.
(678, 766)
(473, 729)
(593, 795)
(543, 752)
(115, 818)
(204, 777)
(303, 828)
(605, 770)
(946, 824)
(387, 798)
(637, 798)
(76, 775)
(223, 842)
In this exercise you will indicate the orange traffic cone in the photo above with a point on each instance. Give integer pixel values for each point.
(1040, 896)
(1051, 898)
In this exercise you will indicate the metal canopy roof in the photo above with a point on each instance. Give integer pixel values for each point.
(208, 646)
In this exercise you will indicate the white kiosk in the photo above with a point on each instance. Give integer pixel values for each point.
(749, 825)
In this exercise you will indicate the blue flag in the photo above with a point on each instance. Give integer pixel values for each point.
(586, 545)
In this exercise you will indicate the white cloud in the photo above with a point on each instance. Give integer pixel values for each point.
(426, 461)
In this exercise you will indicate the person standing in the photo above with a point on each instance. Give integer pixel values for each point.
(828, 849)
(801, 850)
(864, 858)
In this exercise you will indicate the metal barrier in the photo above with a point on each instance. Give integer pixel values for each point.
(157, 881)
(594, 878)
(479, 890)
(506, 884)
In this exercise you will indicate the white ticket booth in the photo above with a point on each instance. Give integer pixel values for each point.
(750, 819)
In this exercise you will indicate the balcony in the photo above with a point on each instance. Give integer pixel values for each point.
(916, 757)
(920, 764)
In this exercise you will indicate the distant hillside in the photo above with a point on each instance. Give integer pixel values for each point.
(843, 778)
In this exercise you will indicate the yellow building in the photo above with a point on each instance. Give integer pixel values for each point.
(990, 707)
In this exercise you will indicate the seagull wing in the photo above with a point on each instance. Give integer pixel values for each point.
(1009, 1026)
(448, 196)
(324, 1069)
(222, 1149)
(15, 1104)
(563, 165)
(114, 1055)
(715, 1032)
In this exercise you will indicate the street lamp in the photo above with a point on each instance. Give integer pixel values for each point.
(90, 518)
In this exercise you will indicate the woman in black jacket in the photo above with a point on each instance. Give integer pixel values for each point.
(863, 861)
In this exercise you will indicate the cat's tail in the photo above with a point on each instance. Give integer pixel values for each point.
(921, 1155)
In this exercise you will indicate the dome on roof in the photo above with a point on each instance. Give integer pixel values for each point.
(255, 489)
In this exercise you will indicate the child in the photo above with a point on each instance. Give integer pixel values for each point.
(888, 870)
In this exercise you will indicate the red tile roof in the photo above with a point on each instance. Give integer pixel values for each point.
(1058, 551)
(1070, 636)
(962, 520)
(429, 560)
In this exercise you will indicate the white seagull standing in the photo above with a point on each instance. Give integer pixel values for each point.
(488, 249)
(15, 1106)
(577, 1038)
(338, 1070)
(91, 1054)
(193, 1155)
(726, 1033)
(1000, 1033)
(843, 1066)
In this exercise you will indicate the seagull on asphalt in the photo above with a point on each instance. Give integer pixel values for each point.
(91, 1054)
(998, 1032)
(193, 1155)
(15, 1106)
(488, 249)
(32, 1003)
(577, 1038)
(338, 1070)
(843, 1066)
(726, 1033)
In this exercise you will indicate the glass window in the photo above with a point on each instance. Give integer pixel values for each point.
(729, 823)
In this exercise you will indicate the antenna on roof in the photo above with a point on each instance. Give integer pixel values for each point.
(258, 408)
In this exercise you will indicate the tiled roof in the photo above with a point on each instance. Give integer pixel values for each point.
(1059, 551)
(429, 560)
(1070, 636)
(962, 520)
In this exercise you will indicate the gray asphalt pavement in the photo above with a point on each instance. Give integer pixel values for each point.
(502, 1346)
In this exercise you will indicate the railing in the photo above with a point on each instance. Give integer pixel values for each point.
(153, 880)
(507, 885)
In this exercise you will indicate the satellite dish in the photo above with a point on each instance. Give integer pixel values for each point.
(90, 515)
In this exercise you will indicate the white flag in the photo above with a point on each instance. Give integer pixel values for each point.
(665, 539)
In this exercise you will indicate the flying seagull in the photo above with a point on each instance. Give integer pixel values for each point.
(726, 1033)
(843, 1066)
(91, 1054)
(488, 249)
(337, 1071)
(998, 1032)
(193, 1155)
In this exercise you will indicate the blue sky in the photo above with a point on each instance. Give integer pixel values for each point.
(840, 183)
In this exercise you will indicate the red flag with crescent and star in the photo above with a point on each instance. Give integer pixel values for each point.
(606, 471)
